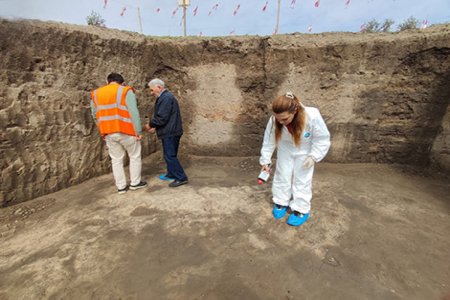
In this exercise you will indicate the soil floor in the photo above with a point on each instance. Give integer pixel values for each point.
(375, 232)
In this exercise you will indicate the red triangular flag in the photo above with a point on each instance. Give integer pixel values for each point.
(236, 9)
(123, 11)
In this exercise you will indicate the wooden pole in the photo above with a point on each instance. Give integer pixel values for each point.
(278, 18)
(184, 4)
(140, 20)
(184, 18)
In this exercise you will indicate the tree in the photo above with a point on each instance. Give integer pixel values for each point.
(372, 26)
(410, 23)
(375, 26)
(95, 19)
(386, 27)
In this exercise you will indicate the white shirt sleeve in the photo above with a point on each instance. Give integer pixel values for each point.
(320, 137)
(269, 144)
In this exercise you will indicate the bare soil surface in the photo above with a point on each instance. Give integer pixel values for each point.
(375, 232)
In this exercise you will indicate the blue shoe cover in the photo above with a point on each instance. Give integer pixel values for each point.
(297, 219)
(279, 211)
(164, 177)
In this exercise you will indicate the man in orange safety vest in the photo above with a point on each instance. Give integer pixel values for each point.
(115, 111)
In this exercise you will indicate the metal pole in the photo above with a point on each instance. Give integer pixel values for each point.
(140, 20)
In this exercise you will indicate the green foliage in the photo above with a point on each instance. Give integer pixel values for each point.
(386, 27)
(372, 26)
(95, 19)
(375, 26)
(410, 23)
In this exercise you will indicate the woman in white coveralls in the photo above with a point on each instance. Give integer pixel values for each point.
(302, 139)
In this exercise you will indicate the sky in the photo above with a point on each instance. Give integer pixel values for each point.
(231, 17)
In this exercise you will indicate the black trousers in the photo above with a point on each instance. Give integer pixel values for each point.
(170, 149)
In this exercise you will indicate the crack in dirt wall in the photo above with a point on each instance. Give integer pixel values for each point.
(384, 96)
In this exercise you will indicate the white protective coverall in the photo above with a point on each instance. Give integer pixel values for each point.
(292, 180)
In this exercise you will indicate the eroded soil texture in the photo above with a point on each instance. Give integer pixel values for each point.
(375, 232)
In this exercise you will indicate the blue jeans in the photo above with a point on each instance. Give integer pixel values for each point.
(170, 149)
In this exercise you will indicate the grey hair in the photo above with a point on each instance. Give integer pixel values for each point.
(157, 82)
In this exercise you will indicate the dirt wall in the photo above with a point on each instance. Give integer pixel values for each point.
(383, 96)
(440, 152)
(48, 138)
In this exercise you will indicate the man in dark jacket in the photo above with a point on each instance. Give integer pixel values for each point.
(167, 123)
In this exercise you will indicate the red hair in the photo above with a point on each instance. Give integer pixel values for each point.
(290, 103)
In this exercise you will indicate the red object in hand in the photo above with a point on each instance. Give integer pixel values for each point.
(264, 175)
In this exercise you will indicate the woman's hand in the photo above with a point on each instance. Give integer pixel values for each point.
(265, 168)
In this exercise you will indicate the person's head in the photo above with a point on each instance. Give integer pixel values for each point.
(156, 86)
(115, 77)
(285, 107)
(288, 110)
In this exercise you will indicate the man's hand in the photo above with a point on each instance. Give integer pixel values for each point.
(138, 137)
(308, 163)
(146, 127)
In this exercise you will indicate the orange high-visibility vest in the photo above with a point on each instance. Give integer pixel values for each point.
(111, 109)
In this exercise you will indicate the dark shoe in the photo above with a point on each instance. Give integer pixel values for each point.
(176, 183)
(123, 191)
(140, 185)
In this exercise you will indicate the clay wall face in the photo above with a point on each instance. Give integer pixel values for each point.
(384, 97)
(48, 139)
(384, 100)
(440, 151)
